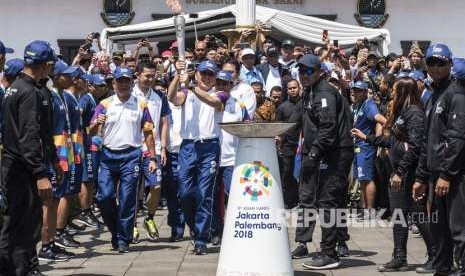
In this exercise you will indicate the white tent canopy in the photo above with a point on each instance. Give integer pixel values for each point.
(298, 26)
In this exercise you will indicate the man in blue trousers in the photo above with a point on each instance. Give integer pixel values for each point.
(120, 119)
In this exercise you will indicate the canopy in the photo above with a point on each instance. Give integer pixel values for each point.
(298, 26)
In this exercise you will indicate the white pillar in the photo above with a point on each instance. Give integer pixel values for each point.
(245, 16)
(255, 238)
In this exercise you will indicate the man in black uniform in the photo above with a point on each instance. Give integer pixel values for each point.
(27, 152)
(442, 161)
(287, 146)
(325, 118)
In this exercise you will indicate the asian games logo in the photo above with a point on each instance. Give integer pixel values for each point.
(256, 180)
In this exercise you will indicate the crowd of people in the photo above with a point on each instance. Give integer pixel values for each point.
(122, 133)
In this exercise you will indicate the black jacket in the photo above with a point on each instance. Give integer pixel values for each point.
(290, 139)
(27, 127)
(443, 153)
(325, 118)
(405, 141)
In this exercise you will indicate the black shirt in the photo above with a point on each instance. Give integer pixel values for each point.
(290, 138)
(27, 127)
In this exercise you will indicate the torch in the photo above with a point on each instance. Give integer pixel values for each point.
(180, 25)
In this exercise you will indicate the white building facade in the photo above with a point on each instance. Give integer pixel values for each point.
(64, 21)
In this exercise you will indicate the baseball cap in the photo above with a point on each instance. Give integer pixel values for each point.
(207, 66)
(223, 75)
(403, 74)
(417, 75)
(272, 50)
(166, 53)
(459, 68)
(288, 43)
(310, 61)
(247, 51)
(440, 51)
(77, 72)
(122, 72)
(360, 85)
(5, 50)
(373, 53)
(38, 51)
(119, 54)
(13, 67)
(62, 67)
(97, 79)
(392, 55)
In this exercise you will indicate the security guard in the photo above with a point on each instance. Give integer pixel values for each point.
(27, 152)
(122, 119)
(324, 116)
(442, 162)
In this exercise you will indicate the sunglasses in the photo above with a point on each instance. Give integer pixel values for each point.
(305, 71)
(208, 73)
(432, 62)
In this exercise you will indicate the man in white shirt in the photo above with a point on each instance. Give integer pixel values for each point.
(122, 120)
(239, 107)
(272, 71)
(200, 149)
(158, 107)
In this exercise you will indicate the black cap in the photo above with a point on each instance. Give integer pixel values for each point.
(272, 50)
(373, 53)
(288, 42)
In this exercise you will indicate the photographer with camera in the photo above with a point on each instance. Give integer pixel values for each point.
(144, 43)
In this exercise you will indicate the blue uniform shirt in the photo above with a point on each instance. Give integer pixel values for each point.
(364, 119)
(62, 131)
(76, 125)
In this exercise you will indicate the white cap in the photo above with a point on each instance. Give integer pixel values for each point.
(247, 51)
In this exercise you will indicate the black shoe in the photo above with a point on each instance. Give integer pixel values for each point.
(216, 240)
(175, 238)
(300, 252)
(200, 250)
(123, 248)
(426, 268)
(394, 265)
(76, 227)
(94, 218)
(86, 219)
(71, 231)
(323, 261)
(342, 249)
(49, 255)
(35, 272)
(60, 250)
(66, 241)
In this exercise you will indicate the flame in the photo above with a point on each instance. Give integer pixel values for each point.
(175, 6)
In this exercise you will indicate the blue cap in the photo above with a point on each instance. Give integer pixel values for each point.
(62, 68)
(76, 72)
(440, 51)
(13, 67)
(403, 74)
(5, 50)
(360, 85)
(459, 68)
(122, 72)
(97, 79)
(223, 75)
(325, 68)
(208, 66)
(417, 75)
(310, 61)
(39, 51)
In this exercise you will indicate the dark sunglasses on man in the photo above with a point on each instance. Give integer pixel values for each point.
(436, 62)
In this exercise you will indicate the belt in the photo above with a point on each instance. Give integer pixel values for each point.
(122, 150)
(201, 140)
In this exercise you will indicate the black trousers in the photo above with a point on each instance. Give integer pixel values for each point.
(325, 189)
(402, 205)
(289, 183)
(20, 229)
(449, 230)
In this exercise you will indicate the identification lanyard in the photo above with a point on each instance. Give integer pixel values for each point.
(77, 104)
(67, 118)
(359, 111)
(92, 99)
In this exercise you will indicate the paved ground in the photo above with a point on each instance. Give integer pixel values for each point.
(369, 248)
